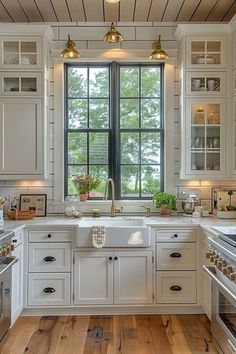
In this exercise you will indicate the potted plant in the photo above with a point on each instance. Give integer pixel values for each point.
(84, 184)
(166, 202)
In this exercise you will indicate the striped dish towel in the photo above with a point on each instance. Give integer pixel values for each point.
(98, 236)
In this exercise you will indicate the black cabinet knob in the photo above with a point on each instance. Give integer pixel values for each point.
(176, 235)
(49, 259)
(115, 258)
(14, 241)
(175, 255)
(49, 235)
(175, 288)
(110, 258)
(49, 290)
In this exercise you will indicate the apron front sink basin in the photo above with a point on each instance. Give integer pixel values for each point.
(119, 231)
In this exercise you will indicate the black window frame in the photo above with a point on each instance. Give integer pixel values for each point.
(114, 123)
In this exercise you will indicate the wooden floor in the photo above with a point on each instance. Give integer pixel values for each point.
(140, 334)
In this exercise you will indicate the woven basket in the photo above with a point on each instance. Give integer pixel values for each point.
(14, 214)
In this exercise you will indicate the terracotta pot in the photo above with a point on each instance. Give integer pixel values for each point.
(83, 197)
(165, 211)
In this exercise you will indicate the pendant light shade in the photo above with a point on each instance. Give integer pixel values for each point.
(158, 53)
(70, 52)
(113, 36)
(112, 1)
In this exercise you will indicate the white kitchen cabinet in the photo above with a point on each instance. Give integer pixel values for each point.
(21, 131)
(17, 277)
(176, 266)
(208, 51)
(206, 283)
(49, 266)
(121, 277)
(205, 138)
(205, 83)
(23, 101)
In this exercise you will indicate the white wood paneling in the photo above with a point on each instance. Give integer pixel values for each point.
(76, 10)
(203, 10)
(187, 10)
(172, 9)
(142, 9)
(61, 10)
(46, 10)
(14, 8)
(127, 10)
(157, 10)
(93, 10)
(111, 12)
(31, 10)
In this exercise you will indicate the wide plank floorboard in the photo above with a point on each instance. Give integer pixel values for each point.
(134, 334)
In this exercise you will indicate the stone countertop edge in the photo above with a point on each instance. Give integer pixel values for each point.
(155, 221)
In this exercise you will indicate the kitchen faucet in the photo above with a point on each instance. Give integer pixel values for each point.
(113, 208)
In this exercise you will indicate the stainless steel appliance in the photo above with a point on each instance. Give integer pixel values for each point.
(6, 263)
(222, 256)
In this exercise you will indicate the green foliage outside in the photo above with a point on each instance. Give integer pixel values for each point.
(139, 109)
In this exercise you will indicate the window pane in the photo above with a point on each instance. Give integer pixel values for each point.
(129, 113)
(101, 172)
(150, 182)
(77, 82)
(77, 148)
(99, 113)
(129, 82)
(77, 113)
(150, 148)
(98, 82)
(98, 148)
(130, 148)
(130, 181)
(150, 113)
(150, 82)
(72, 171)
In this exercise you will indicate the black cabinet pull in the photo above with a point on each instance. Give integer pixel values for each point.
(49, 235)
(175, 288)
(110, 258)
(49, 290)
(115, 258)
(14, 241)
(49, 259)
(176, 235)
(175, 255)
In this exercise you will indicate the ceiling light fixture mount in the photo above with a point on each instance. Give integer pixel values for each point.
(112, 1)
(70, 52)
(113, 36)
(158, 53)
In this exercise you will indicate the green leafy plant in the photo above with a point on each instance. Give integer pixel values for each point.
(165, 198)
(85, 183)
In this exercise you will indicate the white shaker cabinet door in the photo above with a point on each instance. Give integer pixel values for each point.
(21, 139)
(17, 284)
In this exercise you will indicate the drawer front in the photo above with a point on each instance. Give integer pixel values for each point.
(175, 235)
(48, 289)
(175, 256)
(176, 287)
(17, 239)
(44, 257)
(49, 236)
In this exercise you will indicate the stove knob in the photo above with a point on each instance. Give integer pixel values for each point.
(219, 264)
(232, 276)
(208, 254)
(229, 269)
(224, 270)
(212, 258)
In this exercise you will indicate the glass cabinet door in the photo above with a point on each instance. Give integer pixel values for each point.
(20, 83)
(202, 52)
(206, 129)
(205, 83)
(23, 53)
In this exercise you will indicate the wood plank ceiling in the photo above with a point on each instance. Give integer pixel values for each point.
(124, 11)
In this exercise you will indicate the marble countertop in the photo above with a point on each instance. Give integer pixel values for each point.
(153, 221)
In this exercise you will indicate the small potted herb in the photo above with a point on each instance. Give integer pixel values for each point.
(166, 202)
(84, 184)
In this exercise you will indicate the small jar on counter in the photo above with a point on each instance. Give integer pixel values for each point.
(70, 205)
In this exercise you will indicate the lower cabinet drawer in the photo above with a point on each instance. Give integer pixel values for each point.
(49, 289)
(176, 287)
(44, 257)
(49, 236)
(175, 256)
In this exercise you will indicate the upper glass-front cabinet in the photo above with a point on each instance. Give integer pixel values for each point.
(205, 83)
(205, 138)
(23, 53)
(205, 52)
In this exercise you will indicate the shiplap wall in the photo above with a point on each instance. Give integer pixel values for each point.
(137, 44)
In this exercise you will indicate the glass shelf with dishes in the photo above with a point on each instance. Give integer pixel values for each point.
(205, 130)
(205, 83)
(206, 52)
(21, 53)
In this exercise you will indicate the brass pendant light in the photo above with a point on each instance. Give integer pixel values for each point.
(158, 53)
(113, 36)
(70, 52)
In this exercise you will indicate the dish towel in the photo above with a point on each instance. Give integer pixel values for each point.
(98, 236)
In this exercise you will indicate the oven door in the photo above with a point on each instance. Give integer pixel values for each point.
(223, 320)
